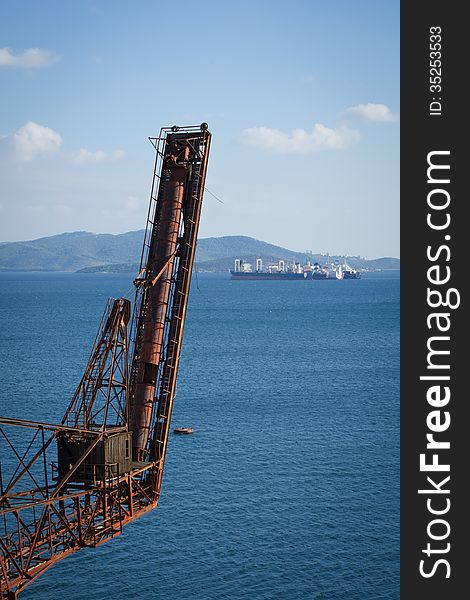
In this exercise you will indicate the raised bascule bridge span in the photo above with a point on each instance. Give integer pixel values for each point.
(78, 483)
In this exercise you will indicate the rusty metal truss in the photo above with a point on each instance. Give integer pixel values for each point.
(78, 483)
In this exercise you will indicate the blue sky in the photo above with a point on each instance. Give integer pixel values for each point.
(302, 98)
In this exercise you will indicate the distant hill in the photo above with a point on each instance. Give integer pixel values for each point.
(70, 251)
(83, 251)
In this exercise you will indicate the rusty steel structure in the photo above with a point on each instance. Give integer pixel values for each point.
(78, 483)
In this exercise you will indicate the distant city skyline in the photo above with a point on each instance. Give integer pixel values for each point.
(302, 100)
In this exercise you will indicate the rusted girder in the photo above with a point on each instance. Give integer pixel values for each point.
(152, 324)
(95, 486)
(163, 287)
(100, 401)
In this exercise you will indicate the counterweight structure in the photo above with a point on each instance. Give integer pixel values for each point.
(78, 483)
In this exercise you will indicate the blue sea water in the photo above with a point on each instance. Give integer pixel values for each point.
(289, 488)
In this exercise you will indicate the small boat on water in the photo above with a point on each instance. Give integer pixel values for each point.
(183, 430)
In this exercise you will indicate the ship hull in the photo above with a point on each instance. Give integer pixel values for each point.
(256, 276)
(267, 276)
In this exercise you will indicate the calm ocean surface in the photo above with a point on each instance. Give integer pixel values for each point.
(289, 489)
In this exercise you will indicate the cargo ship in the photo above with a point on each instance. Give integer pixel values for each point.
(292, 271)
(350, 273)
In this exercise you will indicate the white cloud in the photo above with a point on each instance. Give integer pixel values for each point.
(300, 141)
(84, 156)
(32, 58)
(117, 154)
(32, 140)
(373, 112)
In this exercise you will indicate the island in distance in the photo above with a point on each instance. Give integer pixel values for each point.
(86, 252)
